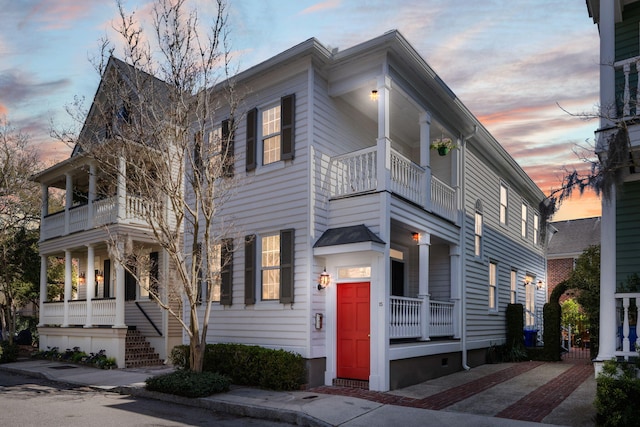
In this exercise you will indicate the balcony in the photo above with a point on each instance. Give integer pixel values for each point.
(626, 322)
(361, 172)
(410, 320)
(103, 312)
(104, 212)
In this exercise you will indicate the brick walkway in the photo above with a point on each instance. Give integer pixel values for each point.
(532, 407)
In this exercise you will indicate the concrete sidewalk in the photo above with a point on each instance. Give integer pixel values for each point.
(313, 408)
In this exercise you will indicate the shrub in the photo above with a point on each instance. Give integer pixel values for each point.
(189, 384)
(249, 365)
(8, 352)
(617, 390)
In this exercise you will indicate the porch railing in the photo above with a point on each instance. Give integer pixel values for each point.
(103, 312)
(406, 318)
(357, 172)
(626, 318)
(630, 68)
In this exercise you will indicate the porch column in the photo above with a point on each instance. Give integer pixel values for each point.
(43, 287)
(45, 200)
(456, 287)
(90, 281)
(119, 321)
(425, 156)
(423, 284)
(607, 344)
(67, 287)
(92, 195)
(68, 201)
(122, 188)
(384, 142)
(456, 178)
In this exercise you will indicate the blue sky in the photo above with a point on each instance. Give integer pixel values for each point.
(512, 63)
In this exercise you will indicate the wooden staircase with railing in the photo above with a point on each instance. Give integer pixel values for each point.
(138, 351)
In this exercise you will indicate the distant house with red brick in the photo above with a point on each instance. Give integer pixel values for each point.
(566, 245)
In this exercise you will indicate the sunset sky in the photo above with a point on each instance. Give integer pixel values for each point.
(527, 69)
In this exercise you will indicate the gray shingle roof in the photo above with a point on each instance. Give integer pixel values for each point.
(346, 235)
(574, 236)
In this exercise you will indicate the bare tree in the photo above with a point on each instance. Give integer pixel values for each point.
(19, 216)
(146, 131)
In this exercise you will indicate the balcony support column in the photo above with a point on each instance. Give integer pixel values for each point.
(384, 142)
(43, 286)
(119, 322)
(45, 200)
(424, 244)
(122, 188)
(92, 194)
(91, 287)
(67, 286)
(456, 287)
(425, 156)
(68, 201)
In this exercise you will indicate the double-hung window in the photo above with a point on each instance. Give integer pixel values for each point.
(272, 256)
(275, 135)
(536, 228)
(215, 278)
(523, 229)
(493, 286)
(478, 230)
(216, 153)
(514, 290)
(504, 196)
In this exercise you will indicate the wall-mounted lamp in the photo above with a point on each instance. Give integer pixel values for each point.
(540, 284)
(81, 277)
(99, 275)
(526, 282)
(415, 236)
(323, 280)
(374, 95)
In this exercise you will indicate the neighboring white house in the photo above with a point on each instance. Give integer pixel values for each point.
(619, 27)
(109, 310)
(421, 252)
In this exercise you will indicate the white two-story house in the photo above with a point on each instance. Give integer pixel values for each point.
(380, 261)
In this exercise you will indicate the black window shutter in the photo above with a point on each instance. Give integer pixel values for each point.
(226, 257)
(249, 269)
(197, 150)
(154, 273)
(227, 148)
(287, 121)
(106, 278)
(286, 265)
(252, 132)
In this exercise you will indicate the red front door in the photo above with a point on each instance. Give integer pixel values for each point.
(353, 331)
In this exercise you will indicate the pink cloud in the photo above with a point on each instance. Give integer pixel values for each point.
(321, 7)
(57, 14)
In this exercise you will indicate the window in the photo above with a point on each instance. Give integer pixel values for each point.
(478, 229)
(275, 267)
(219, 273)
(536, 228)
(493, 286)
(523, 229)
(277, 133)
(217, 153)
(503, 204)
(514, 291)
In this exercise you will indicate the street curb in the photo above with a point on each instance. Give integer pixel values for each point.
(252, 411)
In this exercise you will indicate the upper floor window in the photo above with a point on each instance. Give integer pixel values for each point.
(276, 133)
(493, 286)
(503, 204)
(523, 228)
(217, 153)
(536, 228)
(513, 287)
(478, 230)
(217, 286)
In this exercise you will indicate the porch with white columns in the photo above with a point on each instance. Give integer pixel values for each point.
(119, 322)
(44, 264)
(425, 155)
(67, 287)
(456, 287)
(90, 283)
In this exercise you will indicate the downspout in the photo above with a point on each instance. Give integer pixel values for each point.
(463, 252)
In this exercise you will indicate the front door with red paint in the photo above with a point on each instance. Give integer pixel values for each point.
(353, 331)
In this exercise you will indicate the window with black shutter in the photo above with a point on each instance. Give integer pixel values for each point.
(249, 269)
(227, 148)
(286, 265)
(252, 131)
(287, 106)
(226, 274)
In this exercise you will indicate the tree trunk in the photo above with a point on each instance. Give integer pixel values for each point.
(196, 355)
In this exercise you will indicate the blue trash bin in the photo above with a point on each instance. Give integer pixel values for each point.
(530, 337)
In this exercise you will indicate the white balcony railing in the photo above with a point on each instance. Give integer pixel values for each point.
(103, 312)
(357, 172)
(406, 318)
(630, 68)
(626, 319)
(105, 211)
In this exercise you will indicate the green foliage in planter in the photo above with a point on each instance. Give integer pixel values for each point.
(617, 393)
(189, 384)
(249, 365)
(552, 313)
(8, 352)
(515, 350)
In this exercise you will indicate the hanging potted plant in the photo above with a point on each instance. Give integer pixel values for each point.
(443, 145)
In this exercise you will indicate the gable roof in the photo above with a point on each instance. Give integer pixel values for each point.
(573, 237)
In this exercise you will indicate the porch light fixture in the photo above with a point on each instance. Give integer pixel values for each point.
(99, 275)
(526, 282)
(81, 277)
(415, 236)
(374, 95)
(540, 284)
(324, 280)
